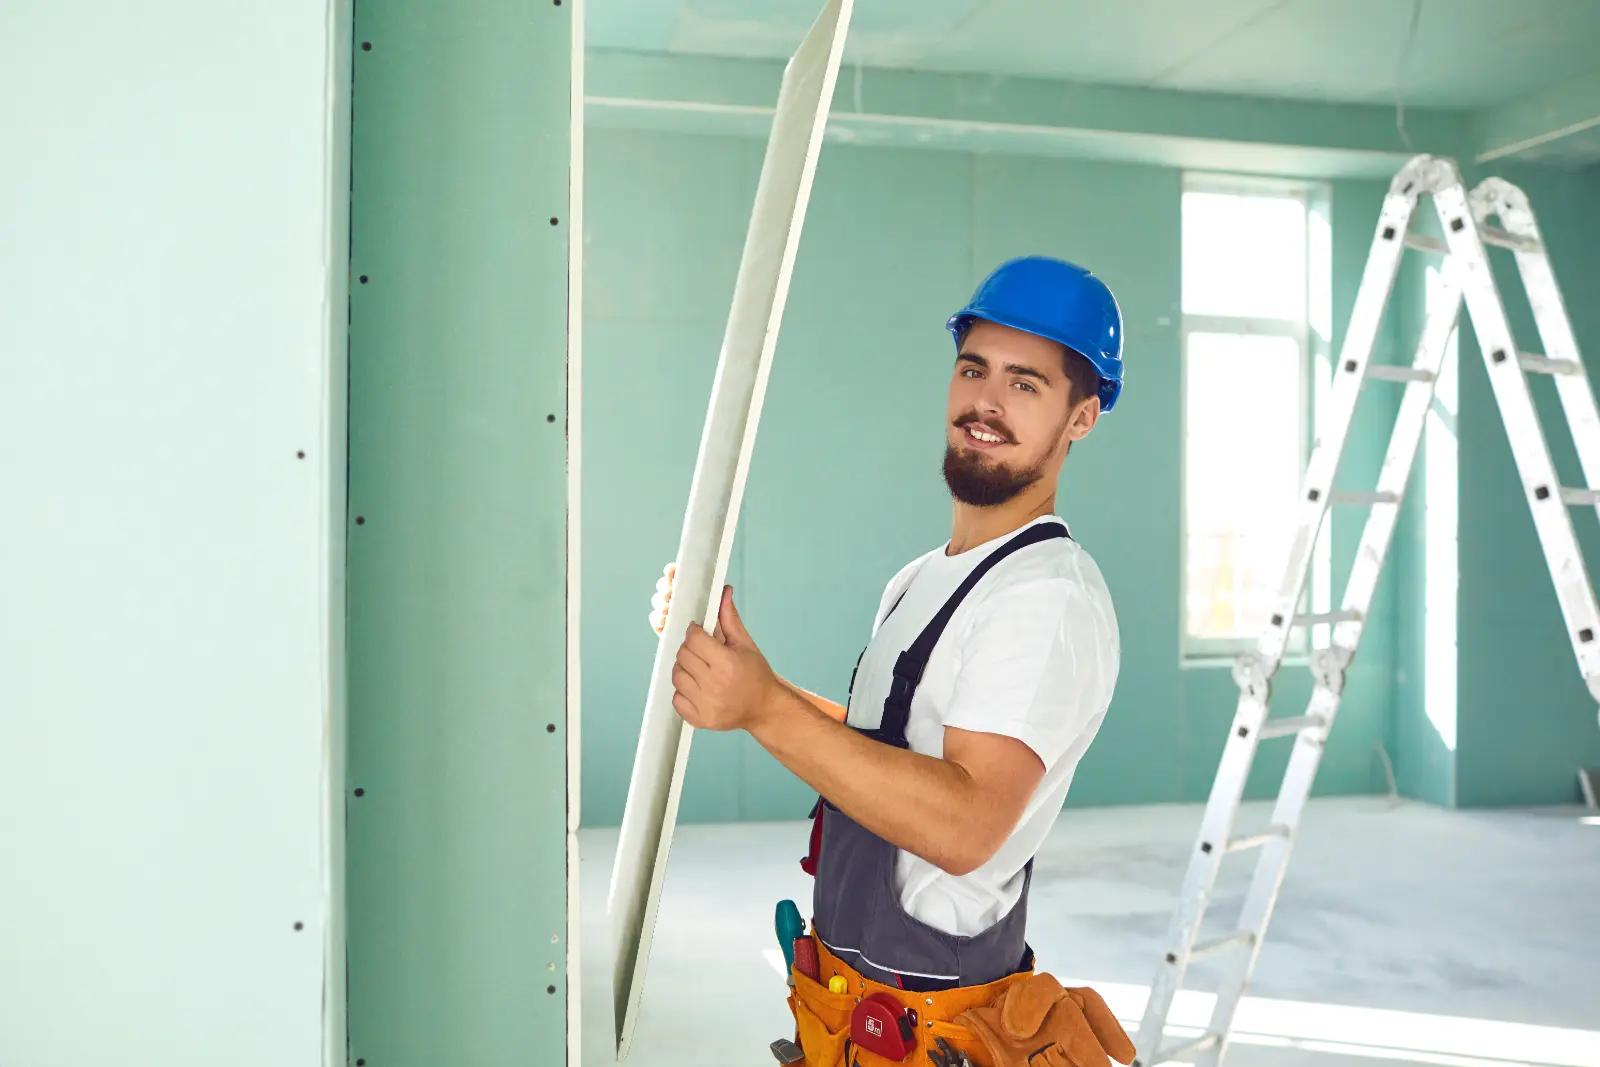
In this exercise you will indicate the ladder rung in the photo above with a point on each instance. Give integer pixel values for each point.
(1426, 244)
(1284, 727)
(1322, 618)
(1271, 833)
(1208, 948)
(1537, 364)
(1494, 235)
(1365, 499)
(1185, 1050)
(1388, 372)
(1580, 498)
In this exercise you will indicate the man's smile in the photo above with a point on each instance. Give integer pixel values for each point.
(981, 437)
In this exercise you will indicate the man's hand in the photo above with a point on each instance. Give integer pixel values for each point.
(723, 682)
(661, 603)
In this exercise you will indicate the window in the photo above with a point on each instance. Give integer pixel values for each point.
(1254, 285)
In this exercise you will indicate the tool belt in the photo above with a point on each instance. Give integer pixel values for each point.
(1022, 1020)
(822, 1018)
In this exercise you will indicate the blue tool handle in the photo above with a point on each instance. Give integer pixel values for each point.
(790, 926)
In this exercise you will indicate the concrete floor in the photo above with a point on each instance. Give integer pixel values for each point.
(1405, 935)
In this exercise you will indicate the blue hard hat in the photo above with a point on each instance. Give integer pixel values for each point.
(1057, 300)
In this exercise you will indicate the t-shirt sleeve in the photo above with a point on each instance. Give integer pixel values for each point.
(892, 591)
(1038, 665)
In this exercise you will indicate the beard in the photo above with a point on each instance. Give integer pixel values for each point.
(974, 479)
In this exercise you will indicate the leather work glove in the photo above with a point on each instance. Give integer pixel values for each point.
(1036, 1023)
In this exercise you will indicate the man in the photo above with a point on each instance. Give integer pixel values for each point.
(991, 665)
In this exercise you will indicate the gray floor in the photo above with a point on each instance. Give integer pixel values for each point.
(1405, 934)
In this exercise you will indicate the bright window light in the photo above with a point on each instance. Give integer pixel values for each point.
(1240, 391)
(1244, 255)
(1254, 276)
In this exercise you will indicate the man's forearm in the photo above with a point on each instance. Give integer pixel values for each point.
(836, 712)
(926, 806)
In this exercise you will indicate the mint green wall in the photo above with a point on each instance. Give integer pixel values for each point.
(1523, 718)
(172, 359)
(457, 534)
(1424, 756)
(845, 484)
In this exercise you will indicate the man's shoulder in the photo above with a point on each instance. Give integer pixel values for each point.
(1060, 567)
(896, 586)
(1060, 582)
(902, 577)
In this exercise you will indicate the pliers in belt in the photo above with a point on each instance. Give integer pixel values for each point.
(948, 1056)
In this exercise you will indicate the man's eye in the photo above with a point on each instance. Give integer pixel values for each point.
(1028, 387)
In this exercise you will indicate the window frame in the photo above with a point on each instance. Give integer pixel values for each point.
(1314, 372)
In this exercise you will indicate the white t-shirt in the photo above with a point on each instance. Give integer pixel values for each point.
(1032, 653)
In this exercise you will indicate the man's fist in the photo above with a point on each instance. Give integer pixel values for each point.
(722, 681)
(662, 601)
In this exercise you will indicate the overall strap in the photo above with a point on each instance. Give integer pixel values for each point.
(910, 665)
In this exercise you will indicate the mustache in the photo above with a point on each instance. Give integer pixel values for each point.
(998, 427)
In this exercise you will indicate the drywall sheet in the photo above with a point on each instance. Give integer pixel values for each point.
(172, 296)
(459, 937)
(716, 489)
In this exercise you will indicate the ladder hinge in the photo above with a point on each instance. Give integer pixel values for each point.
(1250, 674)
(1328, 666)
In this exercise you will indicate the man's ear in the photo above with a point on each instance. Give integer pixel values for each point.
(1085, 413)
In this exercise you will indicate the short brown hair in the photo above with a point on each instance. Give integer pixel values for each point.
(1083, 379)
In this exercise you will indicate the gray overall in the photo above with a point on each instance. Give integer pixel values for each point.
(856, 909)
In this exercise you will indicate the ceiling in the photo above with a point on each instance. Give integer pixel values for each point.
(1465, 53)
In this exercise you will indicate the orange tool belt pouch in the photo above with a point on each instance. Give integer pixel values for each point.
(822, 1018)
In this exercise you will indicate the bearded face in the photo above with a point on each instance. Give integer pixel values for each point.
(981, 479)
(1010, 407)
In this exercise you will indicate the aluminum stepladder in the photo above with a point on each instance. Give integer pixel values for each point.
(1467, 275)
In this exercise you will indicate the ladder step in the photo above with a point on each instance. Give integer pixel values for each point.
(1363, 499)
(1319, 619)
(1580, 498)
(1537, 364)
(1185, 1050)
(1208, 948)
(1427, 244)
(1494, 235)
(1385, 372)
(1271, 833)
(1284, 727)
